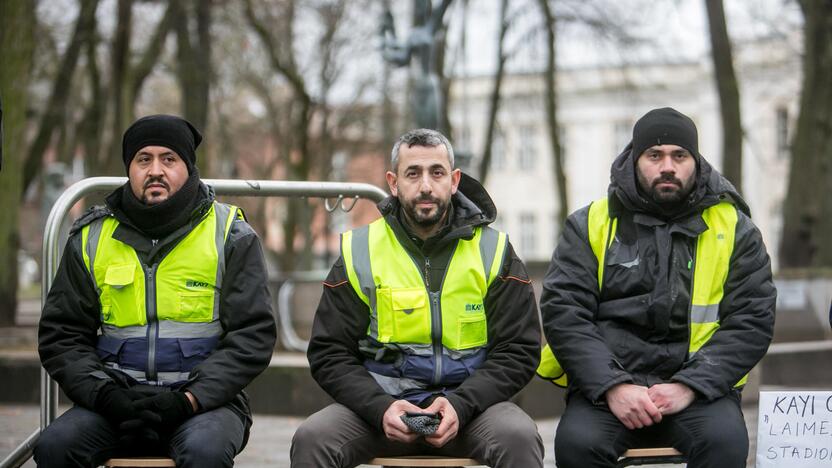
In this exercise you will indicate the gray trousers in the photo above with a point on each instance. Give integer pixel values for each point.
(503, 436)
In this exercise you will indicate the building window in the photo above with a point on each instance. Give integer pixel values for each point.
(498, 150)
(783, 149)
(528, 234)
(527, 157)
(622, 134)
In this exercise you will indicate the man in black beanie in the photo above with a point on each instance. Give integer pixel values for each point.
(158, 317)
(657, 304)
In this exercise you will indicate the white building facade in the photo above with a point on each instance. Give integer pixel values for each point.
(597, 108)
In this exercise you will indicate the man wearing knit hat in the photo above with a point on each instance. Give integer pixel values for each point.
(158, 317)
(656, 306)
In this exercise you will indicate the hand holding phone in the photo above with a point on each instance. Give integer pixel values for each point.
(422, 423)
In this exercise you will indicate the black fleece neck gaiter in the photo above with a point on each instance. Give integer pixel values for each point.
(161, 219)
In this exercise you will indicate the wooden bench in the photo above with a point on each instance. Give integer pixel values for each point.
(142, 462)
(416, 461)
(651, 456)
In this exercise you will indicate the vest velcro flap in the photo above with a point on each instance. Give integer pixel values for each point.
(403, 314)
(407, 298)
(119, 276)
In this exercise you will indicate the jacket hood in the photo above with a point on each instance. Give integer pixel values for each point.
(709, 189)
(472, 206)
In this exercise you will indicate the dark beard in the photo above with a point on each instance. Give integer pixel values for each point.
(414, 216)
(665, 198)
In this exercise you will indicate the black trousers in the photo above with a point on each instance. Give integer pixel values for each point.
(711, 434)
(81, 438)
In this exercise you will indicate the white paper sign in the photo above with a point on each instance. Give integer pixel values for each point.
(795, 430)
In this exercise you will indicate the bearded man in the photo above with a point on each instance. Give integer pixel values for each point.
(657, 303)
(426, 327)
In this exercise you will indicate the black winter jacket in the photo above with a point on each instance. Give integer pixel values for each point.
(70, 321)
(342, 320)
(636, 329)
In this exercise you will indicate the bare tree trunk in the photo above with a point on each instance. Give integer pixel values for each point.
(127, 80)
(807, 209)
(89, 129)
(388, 112)
(194, 57)
(119, 93)
(138, 74)
(550, 77)
(729, 94)
(445, 81)
(17, 42)
(485, 163)
(283, 62)
(61, 87)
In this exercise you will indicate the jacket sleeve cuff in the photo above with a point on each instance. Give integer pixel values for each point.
(707, 392)
(375, 411)
(464, 413)
(599, 394)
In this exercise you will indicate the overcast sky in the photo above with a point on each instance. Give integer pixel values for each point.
(670, 30)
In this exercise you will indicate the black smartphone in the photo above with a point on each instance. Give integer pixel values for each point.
(412, 414)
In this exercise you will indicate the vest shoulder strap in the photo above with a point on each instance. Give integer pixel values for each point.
(226, 215)
(601, 231)
(492, 247)
(93, 213)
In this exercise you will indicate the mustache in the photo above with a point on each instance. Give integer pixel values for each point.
(667, 179)
(156, 180)
(427, 198)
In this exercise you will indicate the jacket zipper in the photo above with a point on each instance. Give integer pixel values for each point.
(692, 264)
(435, 326)
(152, 320)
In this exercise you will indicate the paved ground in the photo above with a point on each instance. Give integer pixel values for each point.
(270, 438)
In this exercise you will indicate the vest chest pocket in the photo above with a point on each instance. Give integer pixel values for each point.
(472, 331)
(118, 297)
(195, 306)
(403, 315)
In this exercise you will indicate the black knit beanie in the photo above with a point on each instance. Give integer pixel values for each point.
(665, 126)
(169, 131)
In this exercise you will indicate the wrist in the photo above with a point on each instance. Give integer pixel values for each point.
(193, 401)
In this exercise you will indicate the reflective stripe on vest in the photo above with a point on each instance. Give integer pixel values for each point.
(159, 321)
(711, 265)
(401, 309)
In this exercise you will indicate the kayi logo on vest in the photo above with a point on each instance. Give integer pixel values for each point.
(473, 307)
(193, 284)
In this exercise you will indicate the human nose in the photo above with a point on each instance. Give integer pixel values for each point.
(155, 167)
(425, 184)
(666, 165)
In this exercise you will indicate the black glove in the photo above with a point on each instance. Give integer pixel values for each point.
(137, 432)
(116, 403)
(165, 411)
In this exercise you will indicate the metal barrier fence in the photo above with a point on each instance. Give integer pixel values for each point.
(248, 188)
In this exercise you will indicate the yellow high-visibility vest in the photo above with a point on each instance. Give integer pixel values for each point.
(402, 308)
(710, 271)
(179, 296)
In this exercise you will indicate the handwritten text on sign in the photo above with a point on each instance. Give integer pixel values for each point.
(795, 429)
